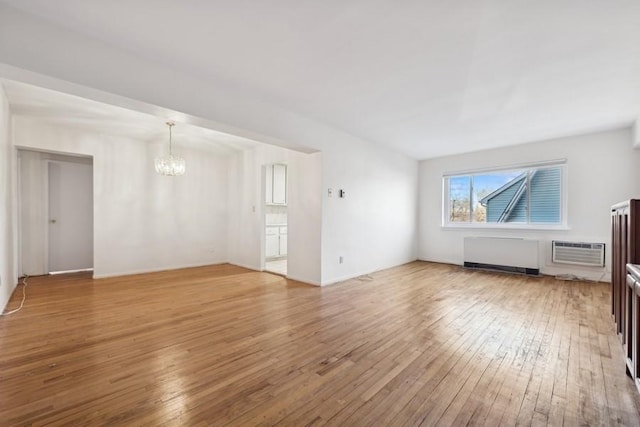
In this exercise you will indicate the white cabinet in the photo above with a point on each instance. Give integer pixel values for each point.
(279, 185)
(276, 185)
(272, 246)
(275, 242)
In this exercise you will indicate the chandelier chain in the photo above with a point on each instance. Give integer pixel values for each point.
(171, 125)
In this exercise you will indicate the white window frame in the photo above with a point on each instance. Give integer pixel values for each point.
(562, 225)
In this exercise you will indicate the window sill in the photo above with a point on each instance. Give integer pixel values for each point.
(525, 227)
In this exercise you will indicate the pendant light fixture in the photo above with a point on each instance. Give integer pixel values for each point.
(170, 165)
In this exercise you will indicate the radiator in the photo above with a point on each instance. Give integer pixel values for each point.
(579, 253)
(505, 254)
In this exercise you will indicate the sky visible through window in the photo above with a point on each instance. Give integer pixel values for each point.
(483, 185)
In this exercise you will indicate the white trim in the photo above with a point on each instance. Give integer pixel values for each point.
(46, 215)
(340, 279)
(564, 203)
(247, 266)
(156, 270)
(305, 281)
(504, 226)
(564, 197)
(47, 163)
(506, 167)
(263, 215)
(53, 273)
(19, 199)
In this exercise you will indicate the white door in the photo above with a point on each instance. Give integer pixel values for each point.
(70, 216)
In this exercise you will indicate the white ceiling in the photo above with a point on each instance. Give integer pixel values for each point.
(71, 111)
(426, 77)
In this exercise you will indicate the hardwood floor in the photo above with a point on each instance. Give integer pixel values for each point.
(417, 344)
(277, 266)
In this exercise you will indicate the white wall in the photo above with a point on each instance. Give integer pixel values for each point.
(8, 242)
(143, 221)
(374, 228)
(304, 205)
(603, 169)
(304, 216)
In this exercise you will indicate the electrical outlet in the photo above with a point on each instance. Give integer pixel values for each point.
(340, 259)
(330, 192)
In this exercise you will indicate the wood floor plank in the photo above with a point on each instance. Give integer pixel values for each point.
(422, 343)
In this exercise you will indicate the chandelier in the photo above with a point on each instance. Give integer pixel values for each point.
(170, 165)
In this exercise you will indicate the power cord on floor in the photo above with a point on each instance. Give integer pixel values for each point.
(569, 276)
(24, 297)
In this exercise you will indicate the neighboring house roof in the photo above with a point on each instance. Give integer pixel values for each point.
(501, 203)
(509, 202)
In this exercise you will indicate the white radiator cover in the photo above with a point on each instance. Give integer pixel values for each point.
(502, 251)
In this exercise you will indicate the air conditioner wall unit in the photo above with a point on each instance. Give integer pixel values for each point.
(578, 253)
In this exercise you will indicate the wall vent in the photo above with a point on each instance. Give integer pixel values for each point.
(578, 253)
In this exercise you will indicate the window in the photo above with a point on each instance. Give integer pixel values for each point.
(526, 195)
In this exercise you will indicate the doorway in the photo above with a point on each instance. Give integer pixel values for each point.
(275, 218)
(70, 216)
(55, 212)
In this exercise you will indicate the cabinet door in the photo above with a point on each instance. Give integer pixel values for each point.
(628, 339)
(635, 353)
(280, 184)
(272, 246)
(283, 244)
(268, 184)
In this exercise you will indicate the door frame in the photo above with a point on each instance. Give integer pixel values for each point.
(46, 214)
(263, 205)
(47, 224)
(263, 216)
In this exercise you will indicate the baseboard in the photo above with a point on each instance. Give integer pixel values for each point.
(305, 281)
(441, 261)
(6, 297)
(248, 267)
(144, 271)
(362, 273)
(154, 270)
(288, 276)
